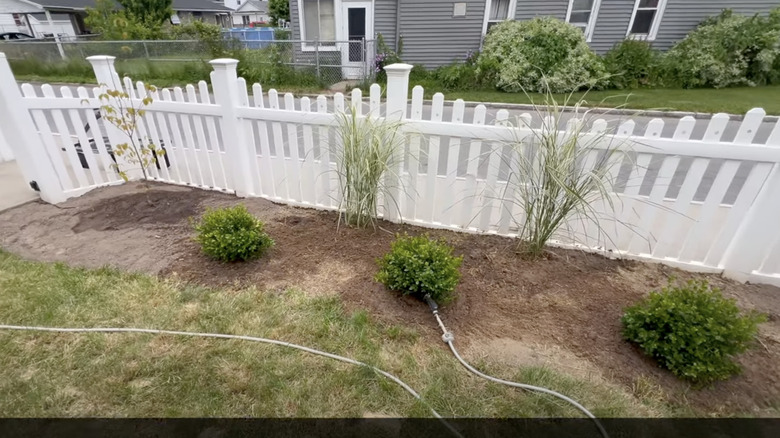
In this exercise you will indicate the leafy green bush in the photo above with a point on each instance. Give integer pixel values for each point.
(385, 56)
(726, 50)
(631, 64)
(691, 330)
(232, 234)
(538, 55)
(419, 266)
(456, 76)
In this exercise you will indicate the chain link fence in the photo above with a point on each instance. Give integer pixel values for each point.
(275, 62)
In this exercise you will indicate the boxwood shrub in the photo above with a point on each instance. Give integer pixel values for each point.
(231, 234)
(631, 64)
(692, 330)
(419, 266)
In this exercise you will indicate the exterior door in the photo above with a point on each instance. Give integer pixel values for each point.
(356, 28)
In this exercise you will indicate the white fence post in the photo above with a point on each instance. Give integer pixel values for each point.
(19, 131)
(224, 81)
(756, 234)
(397, 101)
(5, 149)
(108, 79)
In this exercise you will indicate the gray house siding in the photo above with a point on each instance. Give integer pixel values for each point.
(682, 16)
(433, 37)
(385, 20)
(611, 24)
(529, 9)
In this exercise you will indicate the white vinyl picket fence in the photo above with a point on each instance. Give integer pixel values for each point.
(693, 195)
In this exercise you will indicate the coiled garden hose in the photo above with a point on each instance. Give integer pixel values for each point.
(449, 338)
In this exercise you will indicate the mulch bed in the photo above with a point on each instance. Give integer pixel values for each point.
(572, 300)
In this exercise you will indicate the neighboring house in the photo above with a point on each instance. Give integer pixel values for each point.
(66, 17)
(438, 32)
(207, 11)
(246, 12)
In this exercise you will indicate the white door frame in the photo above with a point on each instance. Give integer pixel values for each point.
(354, 70)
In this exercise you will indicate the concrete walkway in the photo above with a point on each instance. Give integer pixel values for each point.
(14, 190)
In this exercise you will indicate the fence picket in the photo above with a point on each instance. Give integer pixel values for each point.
(81, 134)
(66, 140)
(165, 134)
(268, 182)
(307, 177)
(432, 167)
(280, 170)
(715, 128)
(202, 148)
(451, 171)
(153, 133)
(178, 143)
(356, 101)
(749, 127)
(191, 147)
(323, 140)
(699, 237)
(490, 194)
(294, 186)
(211, 126)
(97, 135)
(737, 212)
(52, 149)
(410, 197)
(375, 97)
(472, 166)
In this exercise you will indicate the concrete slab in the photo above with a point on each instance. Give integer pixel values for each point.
(14, 190)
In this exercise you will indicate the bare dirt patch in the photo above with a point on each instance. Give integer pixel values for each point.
(563, 309)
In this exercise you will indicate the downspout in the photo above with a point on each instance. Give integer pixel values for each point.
(397, 24)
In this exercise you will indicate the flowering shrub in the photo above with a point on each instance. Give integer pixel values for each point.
(384, 56)
(539, 55)
(727, 50)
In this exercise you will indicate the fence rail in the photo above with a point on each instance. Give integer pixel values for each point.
(691, 200)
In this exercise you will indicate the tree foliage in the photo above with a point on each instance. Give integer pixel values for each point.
(278, 10)
(150, 13)
(129, 19)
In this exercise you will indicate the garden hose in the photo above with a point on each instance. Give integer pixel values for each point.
(239, 337)
(449, 338)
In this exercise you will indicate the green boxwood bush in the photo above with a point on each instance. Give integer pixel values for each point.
(692, 330)
(232, 234)
(631, 64)
(726, 50)
(539, 55)
(419, 266)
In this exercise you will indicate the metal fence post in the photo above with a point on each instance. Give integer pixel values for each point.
(146, 50)
(317, 58)
(224, 81)
(19, 131)
(363, 54)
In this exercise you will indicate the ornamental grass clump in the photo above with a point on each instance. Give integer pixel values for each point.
(232, 234)
(561, 177)
(420, 266)
(367, 155)
(692, 330)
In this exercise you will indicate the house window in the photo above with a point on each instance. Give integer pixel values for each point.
(245, 20)
(498, 11)
(318, 20)
(582, 13)
(18, 19)
(646, 18)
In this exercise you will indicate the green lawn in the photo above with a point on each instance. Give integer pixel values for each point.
(48, 374)
(706, 100)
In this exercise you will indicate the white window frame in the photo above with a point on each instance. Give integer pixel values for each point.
(486, 20)
(594, 12)
(302, 27)
(650, 36)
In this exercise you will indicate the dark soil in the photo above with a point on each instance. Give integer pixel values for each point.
(572, 300)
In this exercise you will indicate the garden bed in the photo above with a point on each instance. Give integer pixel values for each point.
(563, 311)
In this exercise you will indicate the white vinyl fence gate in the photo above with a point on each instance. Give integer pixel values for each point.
(703, 201)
